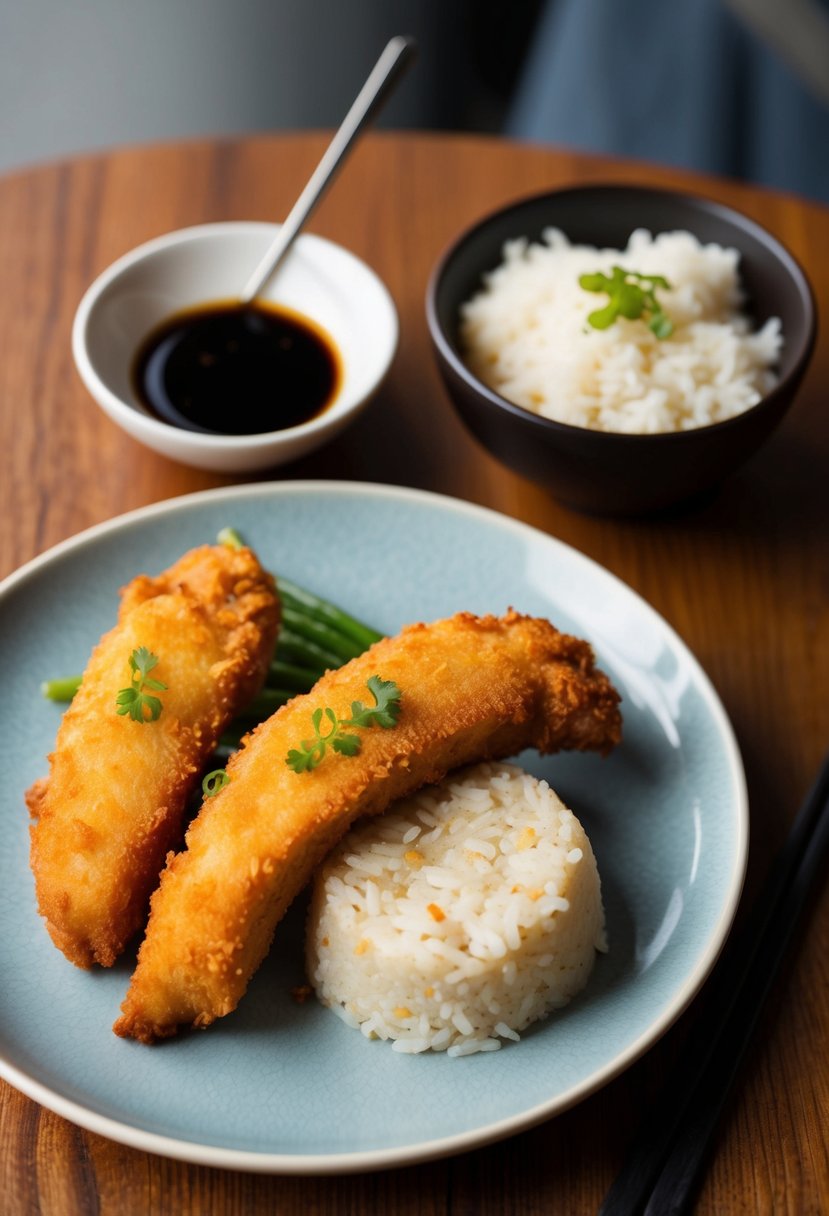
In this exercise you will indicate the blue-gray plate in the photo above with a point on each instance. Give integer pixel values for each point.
(285, 1087)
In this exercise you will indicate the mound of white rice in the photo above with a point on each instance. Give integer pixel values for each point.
(526, 335)
(458, 918)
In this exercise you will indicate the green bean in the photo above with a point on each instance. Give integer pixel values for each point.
(317, 631)
(229, 743)
(61, 690)
(231, 538)
(329, 614)
(297, 666)
(294, 648)
(282, 674)
(308, 603)
(264, 704)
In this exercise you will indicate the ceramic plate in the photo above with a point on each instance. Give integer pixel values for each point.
(286, 1087)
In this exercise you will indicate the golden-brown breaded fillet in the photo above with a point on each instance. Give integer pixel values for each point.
(471, 688)
(117, 789)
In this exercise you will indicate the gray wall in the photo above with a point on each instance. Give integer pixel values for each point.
(82, 74)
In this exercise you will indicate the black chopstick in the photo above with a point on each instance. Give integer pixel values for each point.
(661, 1172)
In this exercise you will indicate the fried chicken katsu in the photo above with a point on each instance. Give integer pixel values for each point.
(119, 783)
(471, 688)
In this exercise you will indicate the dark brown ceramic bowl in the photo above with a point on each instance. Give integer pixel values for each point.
(601, 471)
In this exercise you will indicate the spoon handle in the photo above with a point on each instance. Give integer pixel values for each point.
(383, 77)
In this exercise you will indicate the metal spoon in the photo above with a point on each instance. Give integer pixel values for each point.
(385, 74)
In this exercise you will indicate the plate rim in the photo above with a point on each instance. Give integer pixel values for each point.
(318, 1164)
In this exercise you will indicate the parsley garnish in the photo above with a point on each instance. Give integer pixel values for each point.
(133, 700)
(214, 782)
(384, 712)
(632, 295)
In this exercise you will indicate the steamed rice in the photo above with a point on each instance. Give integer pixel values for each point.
(457, 919)
(526, 335)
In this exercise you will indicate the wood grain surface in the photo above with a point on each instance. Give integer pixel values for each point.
(744, 579)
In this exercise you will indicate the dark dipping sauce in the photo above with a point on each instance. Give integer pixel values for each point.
(236, 369)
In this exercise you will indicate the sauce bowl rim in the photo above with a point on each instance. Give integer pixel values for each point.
(135, 416)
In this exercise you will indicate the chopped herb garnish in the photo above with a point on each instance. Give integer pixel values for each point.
(384, 712)
(214, 782)
(632, 295)
(134, 700)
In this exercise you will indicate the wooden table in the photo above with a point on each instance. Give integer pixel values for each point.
(744, 580)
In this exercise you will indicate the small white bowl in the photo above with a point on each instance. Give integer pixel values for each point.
(319, 279)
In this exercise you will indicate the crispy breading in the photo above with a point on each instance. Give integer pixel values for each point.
(471, 688)
(113, 803)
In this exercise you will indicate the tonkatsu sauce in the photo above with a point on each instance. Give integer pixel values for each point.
(234, 369)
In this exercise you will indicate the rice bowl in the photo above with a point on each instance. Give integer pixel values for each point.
(615, 472)
(455, 920)
(526, 335)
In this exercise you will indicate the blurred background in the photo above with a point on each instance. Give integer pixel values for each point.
(735, 87)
